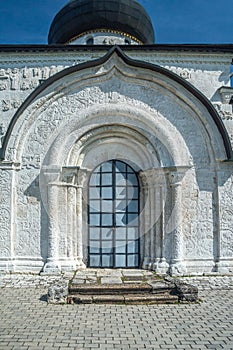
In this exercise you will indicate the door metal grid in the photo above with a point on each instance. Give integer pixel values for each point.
(113, 216)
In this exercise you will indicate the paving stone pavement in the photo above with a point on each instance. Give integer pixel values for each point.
(27, 322)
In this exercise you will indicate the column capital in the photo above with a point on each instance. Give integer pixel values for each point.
(177, 174)
(153, 177)
(73, 175)
(50, 173)
(82, 177)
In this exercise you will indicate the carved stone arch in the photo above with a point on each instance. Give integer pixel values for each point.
(162, 138)
(116, 140)
(156, 74)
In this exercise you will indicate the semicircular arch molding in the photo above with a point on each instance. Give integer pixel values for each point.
(116, 141)
(135, 124)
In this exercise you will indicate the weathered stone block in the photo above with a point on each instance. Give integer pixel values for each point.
(57, 294)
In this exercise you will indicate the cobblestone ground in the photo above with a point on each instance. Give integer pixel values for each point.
(27, 322)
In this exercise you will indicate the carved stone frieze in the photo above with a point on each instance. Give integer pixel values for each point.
(226, 93)
(201, 231)
(182, 72)
(224, 110)
(4, 80)
(5, 213)
(26, 78)
(231, 138)
(28, 214)
(226, 198)
(33, 161)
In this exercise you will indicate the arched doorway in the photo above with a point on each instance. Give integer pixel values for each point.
(113, 216)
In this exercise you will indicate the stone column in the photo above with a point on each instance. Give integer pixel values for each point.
(81, 179)
(71, 222)
(52, 265)
(177, 266)
(152, 224)
(153, 180)
(145, 219)
(160, 265)
(49, 180)
(74, 179)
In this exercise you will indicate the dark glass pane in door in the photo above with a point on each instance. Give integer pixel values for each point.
(113, 216)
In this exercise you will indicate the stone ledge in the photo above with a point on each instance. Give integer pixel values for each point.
(19, 280)
(210, 282)
(29, 280)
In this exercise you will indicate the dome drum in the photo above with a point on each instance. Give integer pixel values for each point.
(81, 16)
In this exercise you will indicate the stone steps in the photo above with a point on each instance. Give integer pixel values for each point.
(133, 299)
(124, 293)
(122, 287)
(111, 289)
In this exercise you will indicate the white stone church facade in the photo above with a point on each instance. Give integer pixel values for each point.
(116, 156)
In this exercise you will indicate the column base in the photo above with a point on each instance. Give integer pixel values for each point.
(146, 265)
(80, 264)
(224, 266)
(161, 267)
(177, 268)
(52, 268)
(7, 265)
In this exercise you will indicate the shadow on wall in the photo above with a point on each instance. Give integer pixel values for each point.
(33, 192)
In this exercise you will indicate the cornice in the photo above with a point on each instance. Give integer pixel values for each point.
(223, 48)
(160, 54)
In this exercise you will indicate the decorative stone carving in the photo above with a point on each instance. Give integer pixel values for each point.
(27, 78)
(53, 70)
(5, 213)
(224, 110)
(2, 133)
(6, 105)
(226, 93)
(231, 138)
(58, 294)
(4, 80)
(15, 81)
(185, 74)
(56, 112)
(226, 197)
(25, 85)
(33, 161)
(45, 73)
(10, 104)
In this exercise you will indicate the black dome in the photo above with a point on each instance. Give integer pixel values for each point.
(80, 16)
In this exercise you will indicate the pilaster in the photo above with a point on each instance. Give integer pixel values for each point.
(81, 180)
(154, 187)
(177, 265)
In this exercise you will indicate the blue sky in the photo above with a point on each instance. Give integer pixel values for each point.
(175, 21)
